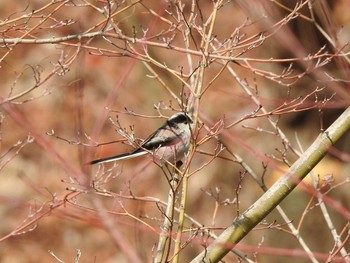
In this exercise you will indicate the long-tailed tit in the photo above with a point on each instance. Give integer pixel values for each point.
(170, 142)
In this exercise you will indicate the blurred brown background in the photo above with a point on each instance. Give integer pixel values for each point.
(67, 114)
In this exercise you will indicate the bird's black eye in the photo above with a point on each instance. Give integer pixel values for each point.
(188, 119)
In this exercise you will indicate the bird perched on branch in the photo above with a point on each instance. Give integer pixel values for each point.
(169, 143)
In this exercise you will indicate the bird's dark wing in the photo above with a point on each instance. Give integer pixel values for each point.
(162, 137)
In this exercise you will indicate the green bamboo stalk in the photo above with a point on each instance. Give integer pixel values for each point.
(271, 198)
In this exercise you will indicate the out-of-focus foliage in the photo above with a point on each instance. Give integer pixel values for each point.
(269, 71)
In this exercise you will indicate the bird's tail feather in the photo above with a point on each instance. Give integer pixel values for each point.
(119, 157)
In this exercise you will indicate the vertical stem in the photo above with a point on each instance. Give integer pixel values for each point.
(205, 44)
(181, 219)
(168, 217)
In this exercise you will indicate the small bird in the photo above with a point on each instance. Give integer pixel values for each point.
(170, 142)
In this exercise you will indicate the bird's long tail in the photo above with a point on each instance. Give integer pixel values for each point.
(119, 157)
